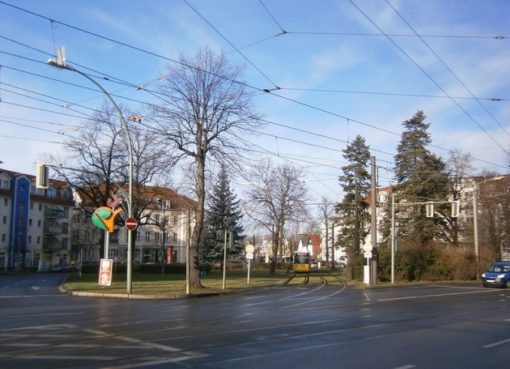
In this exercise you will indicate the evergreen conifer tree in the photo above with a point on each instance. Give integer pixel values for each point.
(223, 214)
(353, 210)
(421, 177)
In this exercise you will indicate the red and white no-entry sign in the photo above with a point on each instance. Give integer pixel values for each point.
(131, 224)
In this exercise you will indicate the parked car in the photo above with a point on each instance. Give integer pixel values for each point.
(498, 275)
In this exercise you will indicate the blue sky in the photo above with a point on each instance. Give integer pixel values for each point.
(344, 68)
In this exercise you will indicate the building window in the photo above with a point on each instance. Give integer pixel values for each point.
(29, 240)
(5, 219)
(31, 205)
(40, 207)
(138, 236)
(3, 237)
(38, 240)
(175, 237)
(156, 237)
(30, 222)
(39, 223)
(6, 201)
(147, 237)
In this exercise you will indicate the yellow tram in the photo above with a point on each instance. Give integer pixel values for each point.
(302, 262)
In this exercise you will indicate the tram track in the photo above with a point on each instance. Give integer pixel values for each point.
(321, 276)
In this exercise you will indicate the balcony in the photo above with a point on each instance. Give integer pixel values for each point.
(56, 212)
(53, 243)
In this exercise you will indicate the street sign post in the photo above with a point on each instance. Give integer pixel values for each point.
(105, 272)
(131, 224)
(249, 249)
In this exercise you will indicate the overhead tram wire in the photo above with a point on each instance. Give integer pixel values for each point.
(30, 139)
(293, 161)
(282, 30)
(116, 80)
(448, 68)
(102, 76)
(229, 79)
(381, 93)
(427, 75)
(364, 34)
(36, 128)
(231, 44)
(121, 43)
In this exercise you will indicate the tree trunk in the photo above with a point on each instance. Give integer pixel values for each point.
(194, 272)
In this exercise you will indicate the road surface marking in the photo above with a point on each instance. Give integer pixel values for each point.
(434, 295)
(405, 367)
(499, 343)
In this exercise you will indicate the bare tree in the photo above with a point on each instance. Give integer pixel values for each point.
(326, 210)
(459, 165)
(206, 108)
(92, 159)
(278, 197)
(97, 162)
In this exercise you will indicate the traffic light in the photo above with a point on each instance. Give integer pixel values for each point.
(455, 208)
(104, 218)
(429, 209)
(42, 176)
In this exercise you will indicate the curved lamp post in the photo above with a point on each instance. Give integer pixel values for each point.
(60, 62)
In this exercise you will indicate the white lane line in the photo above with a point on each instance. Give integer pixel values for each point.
(406, 366)
(41, 327)
(30, 296)
(62, 357)
(190, 355)
(434, 295)
(499, 343)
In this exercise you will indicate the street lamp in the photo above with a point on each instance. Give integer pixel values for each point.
(60, 62)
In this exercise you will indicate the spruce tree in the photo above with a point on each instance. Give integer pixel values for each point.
(421, 177)
(223, 214)
(353, 210)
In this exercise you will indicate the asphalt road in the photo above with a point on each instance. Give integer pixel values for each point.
(320, 327)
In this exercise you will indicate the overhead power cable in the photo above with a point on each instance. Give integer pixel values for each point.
(399, 94)
(364, 34)
(282, 30)
(231, 44)
(193, 67)
(427, 75)
(448, 68)
(30, 139)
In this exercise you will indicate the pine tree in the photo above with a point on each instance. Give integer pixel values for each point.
(421, 177)
(223, 214)
(353, 210)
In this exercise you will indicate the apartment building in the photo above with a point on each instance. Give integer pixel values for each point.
(34, 223)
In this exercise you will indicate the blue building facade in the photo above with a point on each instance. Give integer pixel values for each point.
(19, 223)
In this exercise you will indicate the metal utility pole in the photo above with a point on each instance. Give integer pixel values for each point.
(60, 62)
(392, 237)
(373, 213)
(475, 227)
